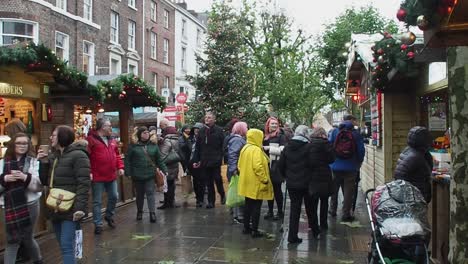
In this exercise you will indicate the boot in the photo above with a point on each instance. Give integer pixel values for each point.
(153, 217)
(139, 216)
(268, 216)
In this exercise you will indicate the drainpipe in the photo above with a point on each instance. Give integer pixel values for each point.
(143, 56)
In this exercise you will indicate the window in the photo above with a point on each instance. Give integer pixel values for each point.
(132, 3)
(88, 57)
(61, 45)
(131, 34)
(198, 37)
(115, 62)
(155, 81)
(166, 18)
(184, 30)
(154, 43)
(62, 4)
(183, 59)
(165, 94)
(132, 67)
(166, 82)
(154, 10)
(16, 31)
(88, 10)
(166, 51)
(114, 30)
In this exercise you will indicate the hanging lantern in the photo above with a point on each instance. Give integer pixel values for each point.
(422, 22)
(408, 38)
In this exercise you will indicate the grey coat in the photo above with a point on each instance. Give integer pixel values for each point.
(170, 143)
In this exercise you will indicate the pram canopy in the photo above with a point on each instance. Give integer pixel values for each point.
(400, 210)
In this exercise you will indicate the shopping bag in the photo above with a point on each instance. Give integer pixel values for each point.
(233, 198)
(79, 243)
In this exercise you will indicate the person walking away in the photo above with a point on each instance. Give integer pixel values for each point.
(208, 156)
(106, 163)
(169, 147)
(198, 185)
(185, 150)
(141, 161)
(68, 168)
(20, 190)
(348, 145)
(254, 180)
(415, 162)
(321, 155)
(293, 166)
(234, 146)
(273, 144)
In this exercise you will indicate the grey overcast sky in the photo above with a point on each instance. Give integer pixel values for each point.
(310, 15)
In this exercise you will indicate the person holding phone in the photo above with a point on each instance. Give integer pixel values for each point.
(69, 164)
(20, 190)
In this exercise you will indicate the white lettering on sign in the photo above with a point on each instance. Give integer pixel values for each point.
(8, 89)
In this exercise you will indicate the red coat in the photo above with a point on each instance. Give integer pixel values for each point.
(105, 159)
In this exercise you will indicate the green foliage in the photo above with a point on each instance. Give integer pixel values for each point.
(124, 86)
(428, 8)
(331, 45)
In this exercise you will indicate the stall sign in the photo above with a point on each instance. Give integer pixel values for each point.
(437, 116)
(9, 89)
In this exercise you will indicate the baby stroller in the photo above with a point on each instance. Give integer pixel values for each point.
(398, 218)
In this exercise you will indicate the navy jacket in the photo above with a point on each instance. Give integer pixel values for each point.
(354, 163)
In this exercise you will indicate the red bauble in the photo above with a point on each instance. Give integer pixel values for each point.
(403, 46)
(387, 35)
(374, 60)
(410, 55)
(401, 14)
(380, 51)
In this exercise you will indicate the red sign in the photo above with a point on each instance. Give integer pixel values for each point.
(179, 108)
(171, 118)
(170, 108)
(181, 98)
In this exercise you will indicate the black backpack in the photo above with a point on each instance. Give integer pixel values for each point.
(344, 144)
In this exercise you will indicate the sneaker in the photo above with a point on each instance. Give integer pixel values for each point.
(164, 206)
(153, 217)
(268, 216)
(278, 216)
(98, 230)
(139, 216)
(110, 221)
(237, 220)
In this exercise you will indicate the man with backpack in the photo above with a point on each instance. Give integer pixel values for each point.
(349, 149)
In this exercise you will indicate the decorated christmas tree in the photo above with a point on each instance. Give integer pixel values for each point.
(225, 81)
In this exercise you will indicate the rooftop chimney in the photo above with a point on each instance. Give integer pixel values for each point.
(182, 4)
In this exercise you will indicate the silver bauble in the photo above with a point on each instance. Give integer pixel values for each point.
(408, 38)
(422, 22)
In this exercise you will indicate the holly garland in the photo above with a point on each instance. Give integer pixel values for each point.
(124, 86)
(390, 54)
(34, 57)
(424, 13)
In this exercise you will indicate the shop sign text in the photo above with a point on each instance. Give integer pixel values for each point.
(8, 89)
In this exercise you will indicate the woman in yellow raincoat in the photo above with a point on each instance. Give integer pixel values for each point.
(254, 180)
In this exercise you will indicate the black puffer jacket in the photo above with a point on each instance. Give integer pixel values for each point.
(415, 162)
(321, 155)
(293, 164)
(281, 140)
(71, 173)
(209, 146)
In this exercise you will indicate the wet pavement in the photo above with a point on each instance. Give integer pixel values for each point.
(199, 235)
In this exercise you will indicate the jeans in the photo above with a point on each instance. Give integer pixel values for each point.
(65, 234)
(29, 242)
(252, 213)
(212, 175)
(278, 198)
(112, 195)
(347, 181)
(142, 188)
(296, 196)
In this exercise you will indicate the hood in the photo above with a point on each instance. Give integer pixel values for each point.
(346, 124)
(295, 144)
(77, 145)
(169, 130)
(184, 127)
(419, 138)
(255, 137)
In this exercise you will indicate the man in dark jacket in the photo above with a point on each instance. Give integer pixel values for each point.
(415, 162)
(208, 156)
(345, 169)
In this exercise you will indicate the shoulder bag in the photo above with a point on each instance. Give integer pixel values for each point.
(159, 175)
(59, 200)
(173, 156)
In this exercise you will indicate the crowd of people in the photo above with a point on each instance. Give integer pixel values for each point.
(314, 165)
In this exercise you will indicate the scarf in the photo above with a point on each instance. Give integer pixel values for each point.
(17, 219)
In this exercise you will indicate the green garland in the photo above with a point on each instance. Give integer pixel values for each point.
(123, 86)
(34, 57)
(431, 10)
(390, 54)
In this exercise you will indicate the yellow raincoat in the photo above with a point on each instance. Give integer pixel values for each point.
(254, 173)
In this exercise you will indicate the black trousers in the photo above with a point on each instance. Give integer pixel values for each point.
(198, 186)
(296, 196)
(278, 198)
(323, 212)
(252, 210)
(169, 196)
(210, 176)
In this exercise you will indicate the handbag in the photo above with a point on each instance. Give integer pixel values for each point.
(159, 175)
(59, 200)
(173, 156)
